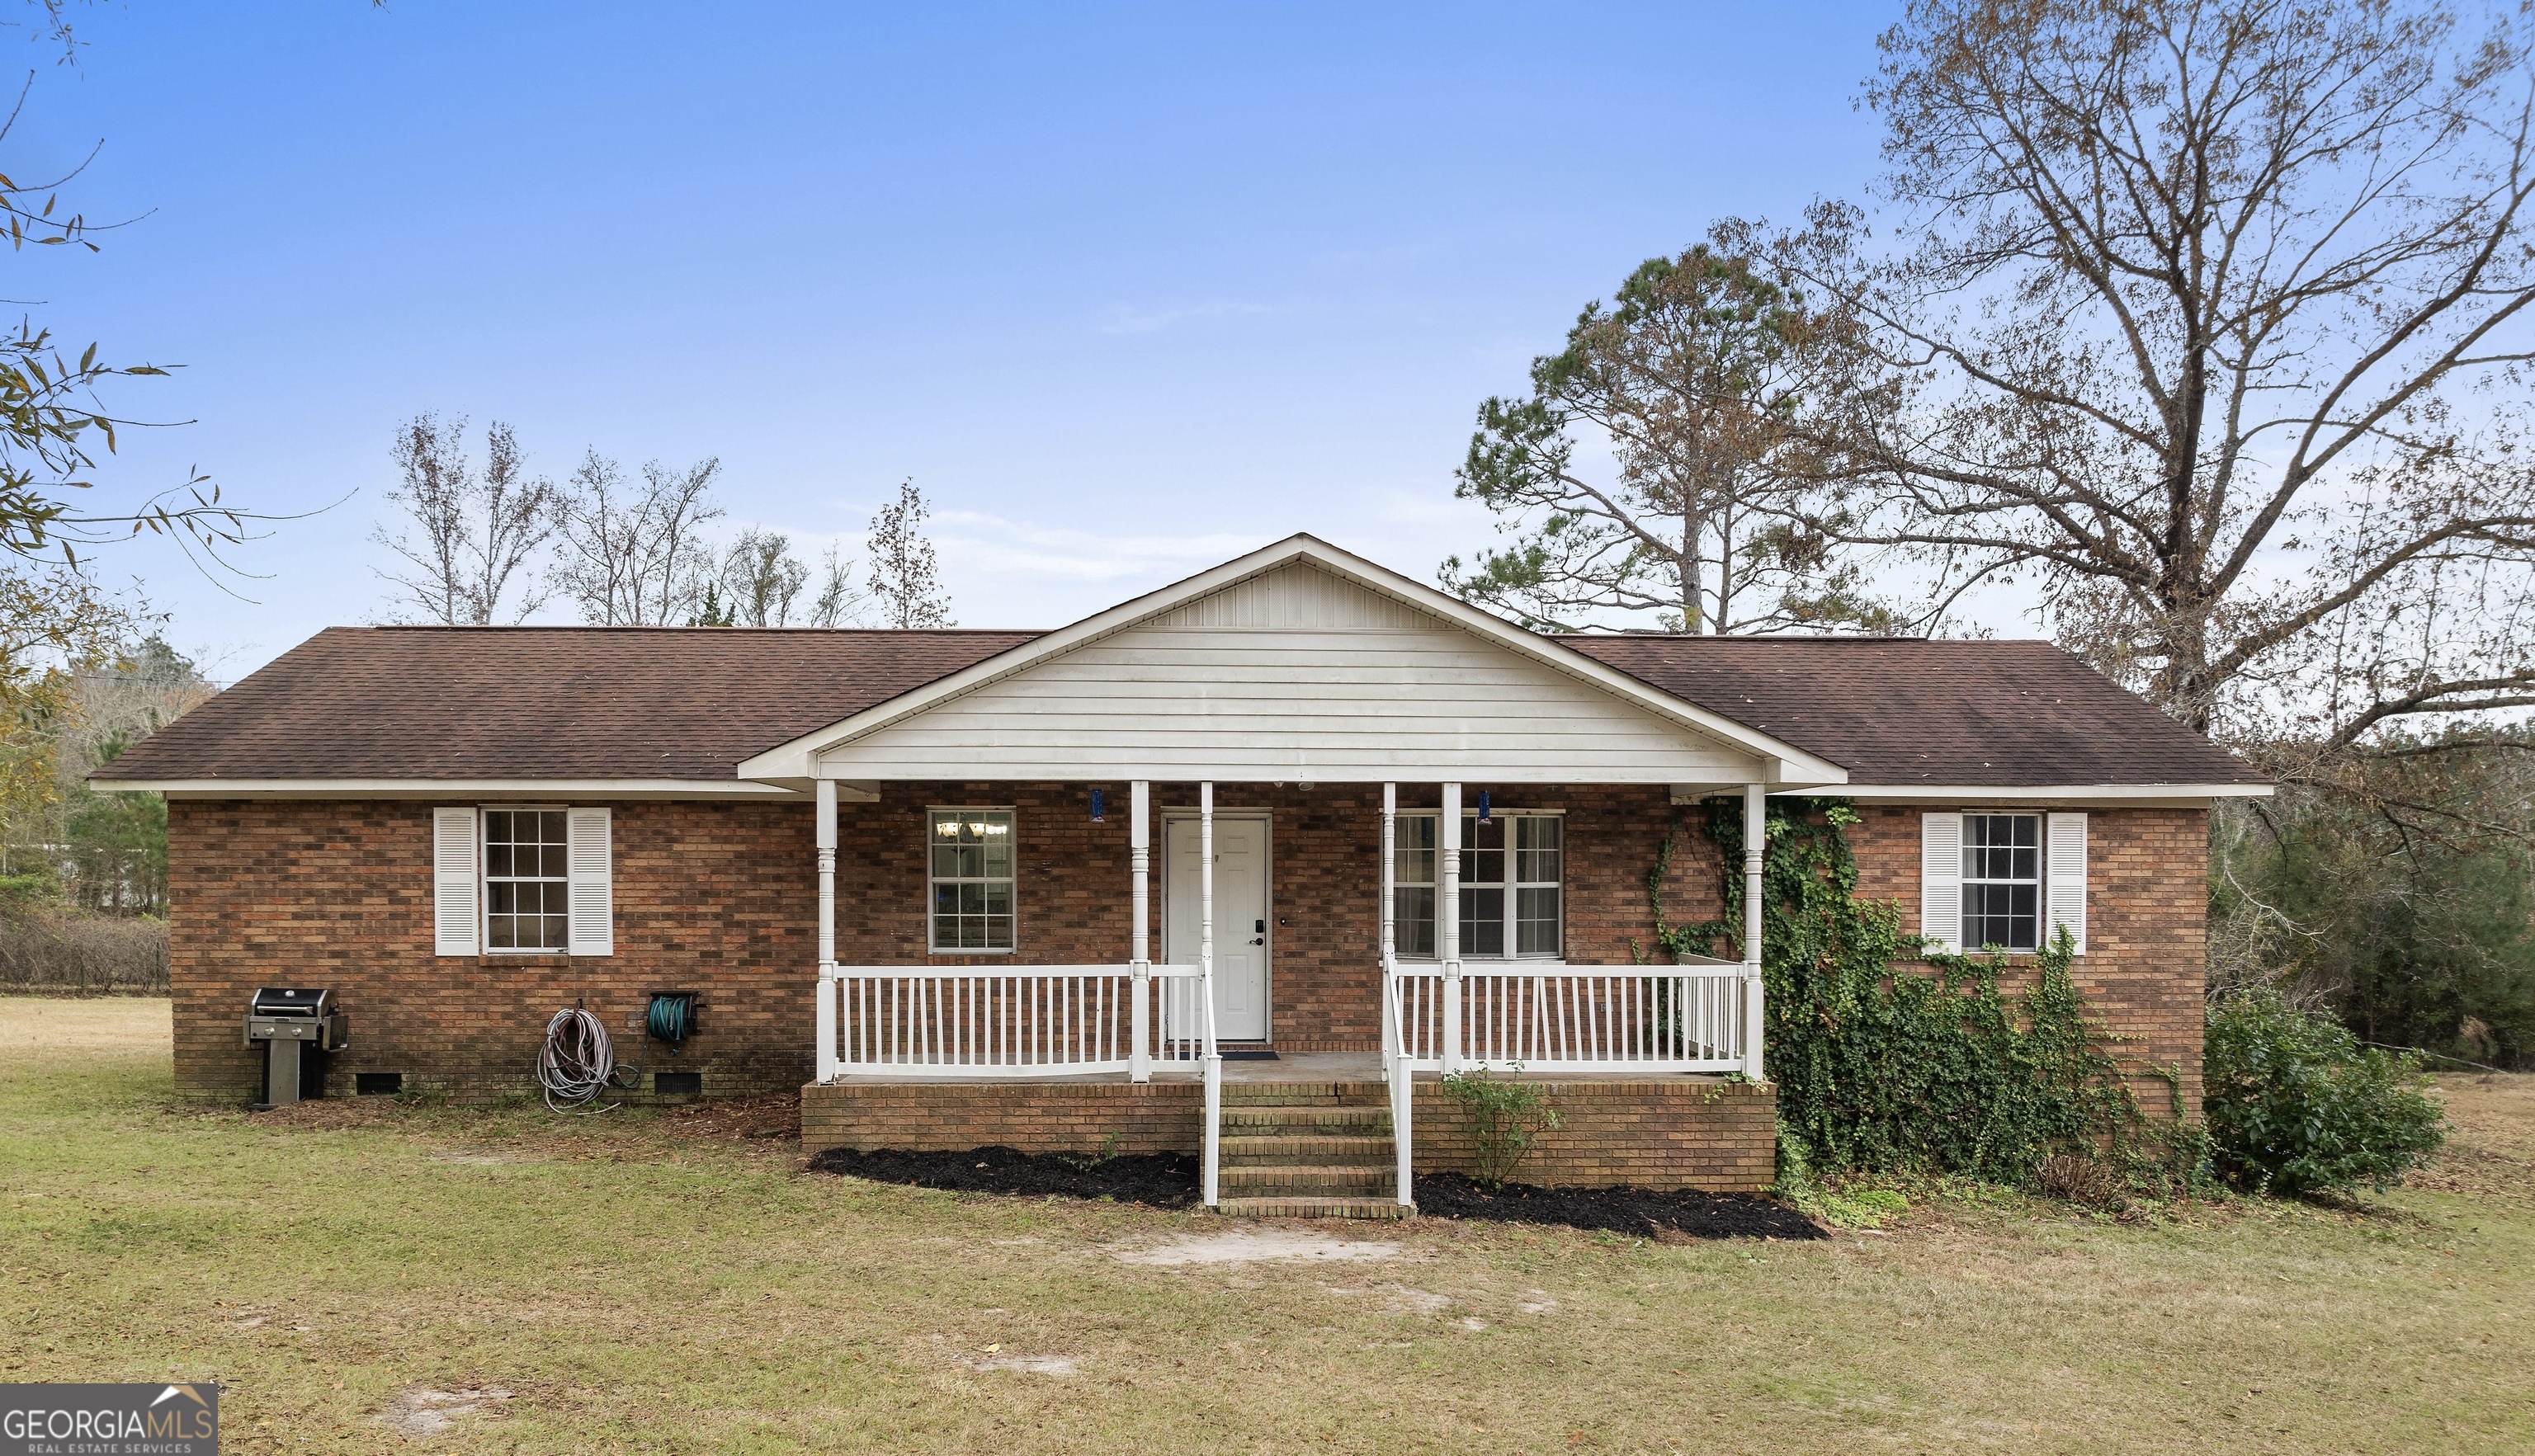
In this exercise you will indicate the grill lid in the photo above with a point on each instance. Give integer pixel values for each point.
(289, 1001)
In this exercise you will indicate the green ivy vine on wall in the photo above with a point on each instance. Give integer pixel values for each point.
(1880, 1069)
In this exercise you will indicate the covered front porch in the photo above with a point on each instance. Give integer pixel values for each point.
(972, 1047)
(1444, 765)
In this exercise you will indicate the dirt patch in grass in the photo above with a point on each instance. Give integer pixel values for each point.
(328, 1114)
(430, 1412)
(1159, 1179)
(1256, 1245)
(776, 1115)
(1666, 1217)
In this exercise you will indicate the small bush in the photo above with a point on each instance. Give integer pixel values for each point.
(1506, 1114)
(2296, 1105)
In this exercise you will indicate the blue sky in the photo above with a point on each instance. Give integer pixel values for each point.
(1124, 289)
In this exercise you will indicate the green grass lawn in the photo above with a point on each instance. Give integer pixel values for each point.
(656, 1284)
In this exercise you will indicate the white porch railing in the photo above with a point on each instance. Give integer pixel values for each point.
(1019, 1021)
(1552, 1016)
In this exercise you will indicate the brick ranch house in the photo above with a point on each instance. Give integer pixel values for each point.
(1174, 877)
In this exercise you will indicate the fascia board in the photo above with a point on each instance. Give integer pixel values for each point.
(451, 788)
(2110, 795)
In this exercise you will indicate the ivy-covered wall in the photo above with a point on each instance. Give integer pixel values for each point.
(1887, 1056)
(2146, 963)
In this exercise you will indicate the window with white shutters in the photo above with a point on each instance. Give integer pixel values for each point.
(514, 879)
(2002, 879)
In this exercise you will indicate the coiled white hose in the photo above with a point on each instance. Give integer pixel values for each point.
(577, 1063)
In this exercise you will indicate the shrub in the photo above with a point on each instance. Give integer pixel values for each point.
(2296, 1105)
(1506, 1114)
(56, 950)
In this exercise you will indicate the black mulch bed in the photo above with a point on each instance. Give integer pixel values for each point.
(1664, 1216)
(1163, 1180)
(1170, 1181)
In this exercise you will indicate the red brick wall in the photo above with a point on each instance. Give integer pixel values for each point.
(2146, 959)
(716, 899)
(1324, 845)
(721, 898)
(1680, 1133)
(1675, 1133)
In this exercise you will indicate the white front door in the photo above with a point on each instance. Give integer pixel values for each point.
(1241, 939)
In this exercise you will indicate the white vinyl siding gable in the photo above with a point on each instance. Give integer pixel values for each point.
(456, 874)
(1299, 676)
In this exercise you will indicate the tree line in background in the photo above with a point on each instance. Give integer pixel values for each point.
(2206, 327)
(83, 671)
(493, 544)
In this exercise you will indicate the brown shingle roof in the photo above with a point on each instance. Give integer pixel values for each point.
(583, 703)
(543, 701)
(1907, 712)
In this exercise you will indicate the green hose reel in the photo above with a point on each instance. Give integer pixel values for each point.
(672, 1019)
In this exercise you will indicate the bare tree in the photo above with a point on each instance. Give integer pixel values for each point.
(1689, 375)
(635, 555)
(2212, 330)
(841, 603)
(904, 581)
(761, 578)
(466, 539)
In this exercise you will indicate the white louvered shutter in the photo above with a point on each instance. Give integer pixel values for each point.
(1941, 880)
(594, 890)
(2065, 891)
(454, 924)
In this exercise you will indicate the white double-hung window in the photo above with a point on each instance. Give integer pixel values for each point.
(970, 880)
(1513, 886)
(527, 879)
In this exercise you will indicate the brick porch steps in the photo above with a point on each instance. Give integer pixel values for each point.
(1308, 1150)
(1370, 1149)
(1285, 1207)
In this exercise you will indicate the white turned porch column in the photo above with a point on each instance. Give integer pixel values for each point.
(1395, 1049)
(1206, 904)
(826, 842)
(1756, 843)
(1139, 962)
(1205, 981)
(1447, 920)
(1389, 923)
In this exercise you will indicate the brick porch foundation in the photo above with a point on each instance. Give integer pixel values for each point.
(1673, 1133)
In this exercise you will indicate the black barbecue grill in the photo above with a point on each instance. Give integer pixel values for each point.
(293, 1022)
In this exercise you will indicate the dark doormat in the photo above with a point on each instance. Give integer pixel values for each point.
(1247, 1054)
